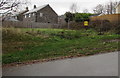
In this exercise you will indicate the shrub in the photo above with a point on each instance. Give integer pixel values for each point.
(80, 17)
(76, 25)
(117, 29)
(101, 25)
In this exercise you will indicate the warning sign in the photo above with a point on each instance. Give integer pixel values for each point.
(86, 23)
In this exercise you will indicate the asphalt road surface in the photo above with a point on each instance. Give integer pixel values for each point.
(96, 65)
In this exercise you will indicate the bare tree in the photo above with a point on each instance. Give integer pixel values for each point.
(111, 7)
(69, 17)
(11, 5)
(98, 9)
(73, 8)
(85, 11)
(108, 8)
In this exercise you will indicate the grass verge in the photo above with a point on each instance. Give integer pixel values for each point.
(24, 44)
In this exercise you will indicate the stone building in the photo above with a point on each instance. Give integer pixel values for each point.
(61, 20)
(20, 15)
(42, 14)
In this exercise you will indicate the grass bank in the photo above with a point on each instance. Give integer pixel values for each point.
(25, 44)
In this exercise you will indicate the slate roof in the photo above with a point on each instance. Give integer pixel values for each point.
(10, 19)
(17, 13)
(101, 14)
(36, 9)
(94, 15)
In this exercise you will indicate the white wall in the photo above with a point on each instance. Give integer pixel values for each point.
(118, 9)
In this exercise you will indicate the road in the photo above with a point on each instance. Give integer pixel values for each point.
(96, 65)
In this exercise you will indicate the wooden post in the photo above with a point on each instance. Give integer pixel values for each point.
(68, 23)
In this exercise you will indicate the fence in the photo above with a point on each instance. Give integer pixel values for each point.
(19, 24)
(113, 18)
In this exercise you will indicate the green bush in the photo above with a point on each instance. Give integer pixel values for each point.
(101, 25)
(117, 29)
(80, 17)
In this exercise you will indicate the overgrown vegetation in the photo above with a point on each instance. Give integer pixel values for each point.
(80, 17)
(77, 17)
(103, 26)
(24, 44)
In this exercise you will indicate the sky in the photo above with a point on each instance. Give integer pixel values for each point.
(62, 6)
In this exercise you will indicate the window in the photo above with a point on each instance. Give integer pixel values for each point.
(33, 14)
(29, 15)
(15, 17)
(41, 14)
(25, 16)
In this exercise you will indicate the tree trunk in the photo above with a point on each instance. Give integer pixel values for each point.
(68, 23)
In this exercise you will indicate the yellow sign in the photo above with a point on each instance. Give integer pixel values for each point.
(86, 23)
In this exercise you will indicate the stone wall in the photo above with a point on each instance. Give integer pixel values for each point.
(28, 25)
(49, 16)
(32, 18)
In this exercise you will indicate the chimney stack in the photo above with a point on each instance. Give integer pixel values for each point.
(27, 9)
(35, 6)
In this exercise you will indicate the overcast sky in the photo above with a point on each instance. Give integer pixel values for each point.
(61, 6)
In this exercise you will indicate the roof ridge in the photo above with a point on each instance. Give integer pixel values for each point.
(36, 9)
